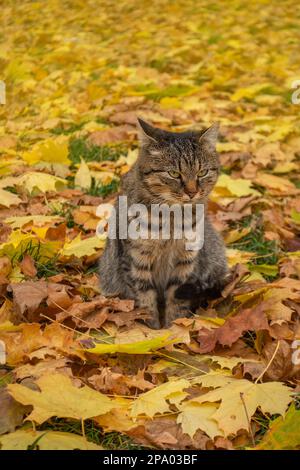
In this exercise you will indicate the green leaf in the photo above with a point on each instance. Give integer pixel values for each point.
(268, 269)
(139, 347)
(284, 432)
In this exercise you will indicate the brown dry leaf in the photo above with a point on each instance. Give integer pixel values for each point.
(11, 412)
(56, 233)
(5, 268)
(164, 433)
(29, 296)
(32, 339)
(223, 443)
(94, 313)
(37, 370)
(108, 381)
(281, 366)
(27, 266)
(115, 134)
(273, 182)
(6, 311)
(237, 274)
(248, 319)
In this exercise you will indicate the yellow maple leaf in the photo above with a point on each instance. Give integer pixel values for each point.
(155, 401)
(59, 397)
(270, 397)
(194, 416)
(238, 256)
(80, 248)
(8, 199)
(18, 242)
(37, 220)
(45, 440)
(230, 187)
(83, 177)
(104, 177)
(36, 182)
(53, 151)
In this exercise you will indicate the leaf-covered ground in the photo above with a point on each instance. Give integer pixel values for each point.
(81, 371)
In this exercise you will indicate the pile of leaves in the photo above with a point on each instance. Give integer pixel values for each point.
(78, 370)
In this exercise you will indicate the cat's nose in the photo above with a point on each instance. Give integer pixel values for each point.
(191, 189)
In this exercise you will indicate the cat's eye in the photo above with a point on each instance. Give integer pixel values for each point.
(174, 174)
(202, 173)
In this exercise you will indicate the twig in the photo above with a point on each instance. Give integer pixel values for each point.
(82, 428)
(180, 362)
(247, 416)
(268, 365)
(80, 319)
(67, 327)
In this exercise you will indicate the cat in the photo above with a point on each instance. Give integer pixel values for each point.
(162, 276)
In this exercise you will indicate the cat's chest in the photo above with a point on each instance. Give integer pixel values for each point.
(164, 257)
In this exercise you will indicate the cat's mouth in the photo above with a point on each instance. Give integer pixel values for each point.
(196, 197)
(185, 199)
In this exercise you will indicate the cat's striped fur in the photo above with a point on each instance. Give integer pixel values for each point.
(162, 275)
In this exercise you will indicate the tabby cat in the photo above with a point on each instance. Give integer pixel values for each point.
(162, 276)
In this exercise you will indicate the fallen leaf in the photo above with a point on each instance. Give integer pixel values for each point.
(248, 319)
(284, 432)
(27, 266)
(58, 397)
(271, 397)
(45, 440)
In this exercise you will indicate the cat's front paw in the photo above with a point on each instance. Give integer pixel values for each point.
(153, 323)
(174, 311)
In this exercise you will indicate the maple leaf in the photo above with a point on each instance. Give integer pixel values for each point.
(194, 416)
(83, 177)
(11, 412)
(155, 401)
(35, 182)
(240, 395)
(37, 220)
(249, 319)
(45, 440)
(58, 397)
(79, 248)
(8, 199)
(27, 266)
(48, 151)
(275, 182)
(229, 187)
(28, 340)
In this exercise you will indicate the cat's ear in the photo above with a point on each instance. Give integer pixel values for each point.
(147, 134)
(209, 137)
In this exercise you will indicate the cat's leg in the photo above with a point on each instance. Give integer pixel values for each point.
(142, 281)
(175, 308)
(148, 299)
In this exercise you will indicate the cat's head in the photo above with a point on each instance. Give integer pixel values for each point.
(177, 167)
